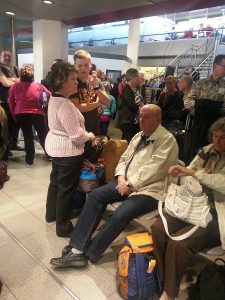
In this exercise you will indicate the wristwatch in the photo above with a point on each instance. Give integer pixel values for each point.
(96, 88)
(129, 185)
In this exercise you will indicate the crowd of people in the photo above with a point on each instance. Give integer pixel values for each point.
(80, 106)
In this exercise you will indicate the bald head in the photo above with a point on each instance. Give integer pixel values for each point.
(150, 118)
(155, 110)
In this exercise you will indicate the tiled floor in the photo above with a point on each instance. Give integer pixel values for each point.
(27, 243)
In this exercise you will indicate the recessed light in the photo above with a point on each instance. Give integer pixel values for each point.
(47, 1)
(10, 13)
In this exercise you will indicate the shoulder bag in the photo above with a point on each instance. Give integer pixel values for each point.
(188, 203)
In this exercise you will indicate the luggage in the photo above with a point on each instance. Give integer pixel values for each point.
(137, 276)
(112, 151)
(210, 284)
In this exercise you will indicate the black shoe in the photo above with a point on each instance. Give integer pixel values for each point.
(66, 250)
(49, 219)
(70, 260)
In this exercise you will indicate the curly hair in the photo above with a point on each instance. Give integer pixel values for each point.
(26, 74)
(58, 75)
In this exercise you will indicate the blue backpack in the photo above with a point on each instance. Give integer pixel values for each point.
(137, 275)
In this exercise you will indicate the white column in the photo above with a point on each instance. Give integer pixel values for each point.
(133, 42)
(50, 41)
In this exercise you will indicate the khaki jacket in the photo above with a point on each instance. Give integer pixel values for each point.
(149, 166)
(214, 181)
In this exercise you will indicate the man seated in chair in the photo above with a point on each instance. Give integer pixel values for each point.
(138, 184)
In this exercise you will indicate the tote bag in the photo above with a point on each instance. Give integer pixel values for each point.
(188, 203)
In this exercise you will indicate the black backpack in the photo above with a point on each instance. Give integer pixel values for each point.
(210, 283)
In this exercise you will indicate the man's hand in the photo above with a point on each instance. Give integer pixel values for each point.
(93, 79)
(122, 188)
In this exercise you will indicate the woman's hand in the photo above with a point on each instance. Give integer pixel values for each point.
(179, 171)
(91, 136)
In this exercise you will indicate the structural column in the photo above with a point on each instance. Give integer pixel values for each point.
(133, 42)
(50, 41)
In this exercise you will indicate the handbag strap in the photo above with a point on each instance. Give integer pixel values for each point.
(186, 234)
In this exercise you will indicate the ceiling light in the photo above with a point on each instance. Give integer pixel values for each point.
(47, 1)
(10, 13)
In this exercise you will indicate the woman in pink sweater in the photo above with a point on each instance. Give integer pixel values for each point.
(25, 107)
(65, 143)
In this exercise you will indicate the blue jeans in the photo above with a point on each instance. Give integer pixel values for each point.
(91, 215)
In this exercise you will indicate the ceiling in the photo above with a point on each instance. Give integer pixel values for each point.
(76, 13)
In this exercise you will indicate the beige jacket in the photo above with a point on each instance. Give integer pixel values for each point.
(149, 167)
(214, 181)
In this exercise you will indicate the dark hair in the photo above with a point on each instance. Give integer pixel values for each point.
(59, 74)
(218, 59)
(26, 74)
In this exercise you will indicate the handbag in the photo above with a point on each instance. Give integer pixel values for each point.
(188, 203)
(93, 153)
(43, 97)
(90, 176)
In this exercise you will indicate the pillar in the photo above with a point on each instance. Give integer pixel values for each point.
(50, 41)
(133, 42)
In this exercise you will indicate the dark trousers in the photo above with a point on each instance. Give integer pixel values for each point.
(129, 130)
(13, 127)
(104, 127)
(91, 215)
(27, 122)
(173, 256)
(63, 180)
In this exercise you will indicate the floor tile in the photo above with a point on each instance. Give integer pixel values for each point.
(29, 197)
(17, 267)
(4, 239)
(44, 245)
(5, 290)
(90, 281)
(8, 296)
(42, 287)
(22, 223)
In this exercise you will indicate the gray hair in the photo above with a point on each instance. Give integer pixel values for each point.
(219, 125)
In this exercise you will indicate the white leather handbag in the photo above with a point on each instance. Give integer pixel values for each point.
(188, 203)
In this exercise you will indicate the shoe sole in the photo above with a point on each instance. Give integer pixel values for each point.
(77, 264)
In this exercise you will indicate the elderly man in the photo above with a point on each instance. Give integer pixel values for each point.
(9, 75)
(90, 91)
(139, 183)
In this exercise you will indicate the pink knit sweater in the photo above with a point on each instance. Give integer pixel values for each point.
(67, 133)
(23, 98)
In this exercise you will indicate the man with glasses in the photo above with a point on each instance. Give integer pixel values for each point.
(207, 101)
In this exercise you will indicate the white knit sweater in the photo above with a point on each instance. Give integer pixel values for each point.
(67, 133)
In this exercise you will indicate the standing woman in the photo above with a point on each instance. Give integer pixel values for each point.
(24, 103)
(65, 143)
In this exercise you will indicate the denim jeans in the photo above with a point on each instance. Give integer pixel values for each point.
(91, 215)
